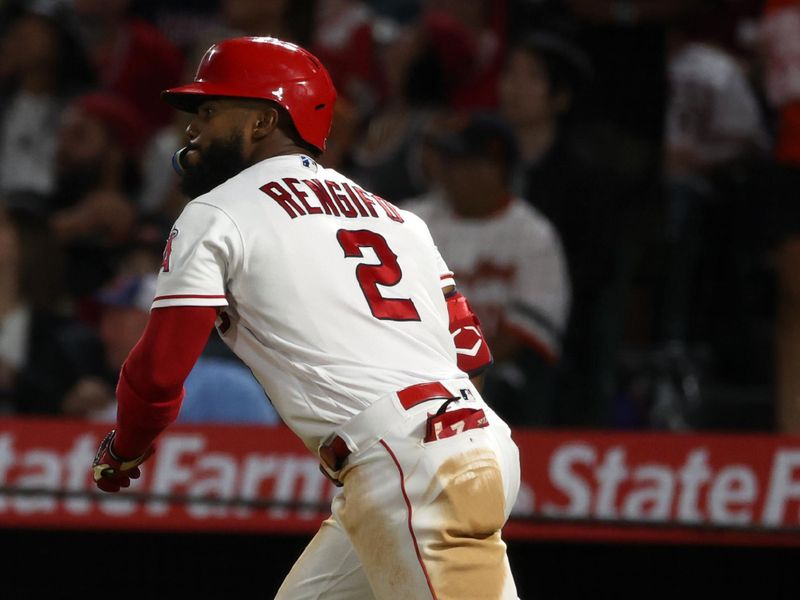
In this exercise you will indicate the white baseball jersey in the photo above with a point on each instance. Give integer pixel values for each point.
(510, 266)
(331, 295)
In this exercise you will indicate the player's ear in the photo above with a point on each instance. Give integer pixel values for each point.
(265, 122)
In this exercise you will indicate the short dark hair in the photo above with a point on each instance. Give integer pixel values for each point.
(485, 135)
(568, 67)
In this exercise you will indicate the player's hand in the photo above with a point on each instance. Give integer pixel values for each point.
(112, 472)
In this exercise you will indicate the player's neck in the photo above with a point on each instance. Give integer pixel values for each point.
(277, 149)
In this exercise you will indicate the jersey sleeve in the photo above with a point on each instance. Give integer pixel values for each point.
(538, 305)
(413, 216)
(445, 274)
(204, 250)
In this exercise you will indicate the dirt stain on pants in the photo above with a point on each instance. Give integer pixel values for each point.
(456, 526)
(466, 556)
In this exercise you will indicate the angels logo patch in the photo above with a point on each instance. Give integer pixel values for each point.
(168, 250)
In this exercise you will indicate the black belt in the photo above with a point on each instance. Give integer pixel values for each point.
(334, 452)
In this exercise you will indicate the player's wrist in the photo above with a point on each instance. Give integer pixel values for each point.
(111, 471)
(122, 459)
(127, 445)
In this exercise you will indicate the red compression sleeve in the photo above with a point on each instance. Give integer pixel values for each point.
(473, 354)
(150, 388)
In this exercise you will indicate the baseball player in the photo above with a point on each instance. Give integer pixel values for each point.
(347, 315)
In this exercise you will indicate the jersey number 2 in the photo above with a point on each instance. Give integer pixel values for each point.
(387, 273)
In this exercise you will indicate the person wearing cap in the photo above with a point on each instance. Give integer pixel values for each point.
(218, 390)
(509, 260)
(124, 306)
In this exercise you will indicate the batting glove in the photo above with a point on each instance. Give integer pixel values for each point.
(112, 472)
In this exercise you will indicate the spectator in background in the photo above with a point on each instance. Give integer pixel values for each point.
(780, 39)
(98, 177)
(226, 379)
(485, 24)
(713, 118)
(131, 57)
(623, 123)
(541, 86)
(42, 352)
(126, 307)
(288, 20)
(161, 200)
(627, 42)
(423, 63)
(508, 261)
(41, 67)
(714, 136)
(344, 42)
(124, 312)
(708, 325)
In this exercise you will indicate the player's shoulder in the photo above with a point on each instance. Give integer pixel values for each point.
(214, 209)
(217, 201)
(234, 195)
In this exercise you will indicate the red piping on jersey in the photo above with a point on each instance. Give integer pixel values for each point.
(175, 296)
(410, 528)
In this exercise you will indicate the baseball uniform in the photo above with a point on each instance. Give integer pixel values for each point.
(333, 297)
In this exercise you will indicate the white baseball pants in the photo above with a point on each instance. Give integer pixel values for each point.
(417, 520)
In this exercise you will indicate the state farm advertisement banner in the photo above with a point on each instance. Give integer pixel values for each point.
(607, 486)
(211, 478)
(659, 487)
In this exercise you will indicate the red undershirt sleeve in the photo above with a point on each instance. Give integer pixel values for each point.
(150, 388)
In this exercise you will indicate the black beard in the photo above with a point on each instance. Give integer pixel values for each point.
(220, 162)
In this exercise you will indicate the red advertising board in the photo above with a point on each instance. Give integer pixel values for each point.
(603, 486)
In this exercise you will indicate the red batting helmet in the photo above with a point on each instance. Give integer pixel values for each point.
(268, 69)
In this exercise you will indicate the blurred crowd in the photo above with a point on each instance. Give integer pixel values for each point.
(615, 183)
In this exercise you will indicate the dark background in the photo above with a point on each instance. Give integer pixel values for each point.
(149, 565)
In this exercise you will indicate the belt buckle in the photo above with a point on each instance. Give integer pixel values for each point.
(332, 454)
(328, 456)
